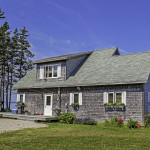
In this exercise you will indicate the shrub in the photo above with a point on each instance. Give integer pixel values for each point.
(114, 122)
(85, 121)
(66, 118)
(132, 124)
(106, 123)
(147, 121)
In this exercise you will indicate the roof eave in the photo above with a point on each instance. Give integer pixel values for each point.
(100, 84)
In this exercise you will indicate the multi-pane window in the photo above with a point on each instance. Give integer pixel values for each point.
(115, 97)
(50, 71)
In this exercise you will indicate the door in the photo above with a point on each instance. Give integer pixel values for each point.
(48, 105)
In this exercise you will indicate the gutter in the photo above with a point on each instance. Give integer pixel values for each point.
(140, 82)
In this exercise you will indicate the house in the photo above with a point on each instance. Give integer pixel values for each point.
(93, 79)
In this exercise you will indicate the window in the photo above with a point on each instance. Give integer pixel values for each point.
(114, 97)
(48, 100)
(76, 98)
(118, 97)
(21, 97)
(110, 97)
(50, 71)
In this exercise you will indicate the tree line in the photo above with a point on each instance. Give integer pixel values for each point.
(15, 60)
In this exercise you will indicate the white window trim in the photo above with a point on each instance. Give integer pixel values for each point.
(18, 97)
(79, 96)
(114, 97)
(52, 65)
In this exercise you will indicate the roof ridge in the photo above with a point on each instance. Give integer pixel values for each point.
(70, 55)
(134, 53)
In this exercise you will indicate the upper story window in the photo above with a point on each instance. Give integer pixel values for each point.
(50, 71)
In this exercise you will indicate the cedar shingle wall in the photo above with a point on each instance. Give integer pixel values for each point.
(93, 106)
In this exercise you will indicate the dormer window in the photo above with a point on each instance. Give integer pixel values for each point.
(50, 71)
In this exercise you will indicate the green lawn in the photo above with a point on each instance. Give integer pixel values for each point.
(73, 137)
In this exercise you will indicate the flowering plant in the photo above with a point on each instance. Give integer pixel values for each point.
(138, 125)
(114, 122)
(120, 121)
(75, 106)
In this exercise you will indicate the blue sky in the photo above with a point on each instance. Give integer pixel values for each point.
(60, 27)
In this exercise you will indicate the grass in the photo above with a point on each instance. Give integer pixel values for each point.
(71, 137)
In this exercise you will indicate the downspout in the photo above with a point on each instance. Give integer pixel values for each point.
(59, 97)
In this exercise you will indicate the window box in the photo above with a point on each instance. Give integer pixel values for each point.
(114, 106)
(109, 108)
(75, 106)
(119, 108)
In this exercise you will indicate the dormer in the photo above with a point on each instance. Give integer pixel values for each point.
(59, 68)
(49, 71)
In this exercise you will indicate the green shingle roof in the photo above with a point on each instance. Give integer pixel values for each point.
(101, 68)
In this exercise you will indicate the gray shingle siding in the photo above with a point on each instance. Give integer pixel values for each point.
(73, 64)
(146, 90)
(93, 106)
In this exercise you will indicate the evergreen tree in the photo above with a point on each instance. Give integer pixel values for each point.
(1, 14)
(15, 60)
(4, 57)
(13, 56)
(23, 60)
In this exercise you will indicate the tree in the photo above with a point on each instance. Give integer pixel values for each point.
(1, 17)
(15, 59)
(13, 55)
(23, 60)
(1, 14)
(4, 57)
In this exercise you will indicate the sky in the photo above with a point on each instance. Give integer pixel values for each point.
(59, 27)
